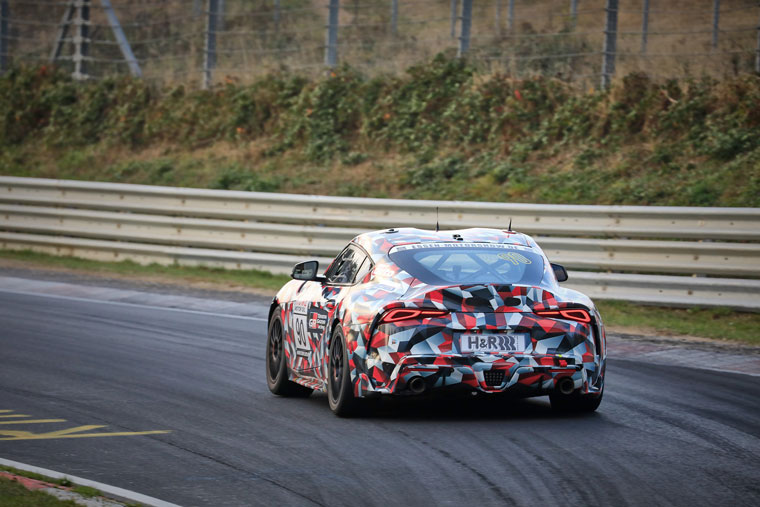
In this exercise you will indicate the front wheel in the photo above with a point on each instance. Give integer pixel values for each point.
(277, 369)
(339, 388)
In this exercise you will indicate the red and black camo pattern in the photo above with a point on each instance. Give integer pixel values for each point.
(384, 357)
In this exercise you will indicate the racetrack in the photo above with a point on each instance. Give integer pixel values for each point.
(663, 435)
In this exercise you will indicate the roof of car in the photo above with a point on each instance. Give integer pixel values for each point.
(380, 242)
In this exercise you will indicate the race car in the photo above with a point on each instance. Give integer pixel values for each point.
(403, 312)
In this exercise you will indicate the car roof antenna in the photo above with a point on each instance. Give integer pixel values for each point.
(437, 227)
(509, 228)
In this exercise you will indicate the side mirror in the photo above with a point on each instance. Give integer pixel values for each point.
(306, 271)
(560, 272)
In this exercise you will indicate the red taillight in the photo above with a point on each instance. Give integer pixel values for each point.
(411, 313)
(571, 314)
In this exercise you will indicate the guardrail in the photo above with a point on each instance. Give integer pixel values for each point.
(272, 231)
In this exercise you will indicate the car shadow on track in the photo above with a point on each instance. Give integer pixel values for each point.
(456, 408)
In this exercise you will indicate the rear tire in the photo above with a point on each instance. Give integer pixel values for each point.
(276, 365)
(340, 392)
(575, 402)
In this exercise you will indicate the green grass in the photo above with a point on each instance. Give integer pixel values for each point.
(442, 130)
(716, 323)
(86, 491)
(38, 477)
(247, 278)
(13, 494)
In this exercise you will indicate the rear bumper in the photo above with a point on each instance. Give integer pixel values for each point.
(526, 375)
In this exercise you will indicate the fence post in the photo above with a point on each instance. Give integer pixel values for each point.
(331, 48)
(63, 29)
(220, 15)
(4, 44)
(498, 17)
(464, 38)
(574, 12)
(118, 33)
(394, 17)
(716, 22)
(454, 9)
(511, 15)
(610, 41)
(81, 39)
(644, 26)
(757, 50)
(209, 53)
(276, 16)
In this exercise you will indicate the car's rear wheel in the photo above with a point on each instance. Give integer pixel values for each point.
(575, 402)
(277, 369)
(340, 393)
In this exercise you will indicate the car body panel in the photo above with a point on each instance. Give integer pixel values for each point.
(384, 357)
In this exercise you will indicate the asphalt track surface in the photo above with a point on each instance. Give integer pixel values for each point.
(663, 435)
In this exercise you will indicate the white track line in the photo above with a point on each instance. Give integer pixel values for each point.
(131, 496)
(133, 305)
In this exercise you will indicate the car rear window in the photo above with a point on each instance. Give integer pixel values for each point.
(460, 263)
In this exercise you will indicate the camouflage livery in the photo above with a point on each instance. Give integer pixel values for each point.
(384, 356)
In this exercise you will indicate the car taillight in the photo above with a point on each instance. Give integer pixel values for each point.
(575, 314)
(411, 313)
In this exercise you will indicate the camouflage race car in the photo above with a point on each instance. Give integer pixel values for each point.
(407, 311)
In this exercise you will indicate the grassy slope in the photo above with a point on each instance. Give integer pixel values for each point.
(440, 131)
(620, 316)
(13, 494)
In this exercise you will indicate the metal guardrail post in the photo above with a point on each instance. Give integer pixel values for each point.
(454, 10)
(4, 18)
(716, 23)
(331, 48)
(610, 42)
(464, 38)
(209, 52)
(126, 50)
(644, 26)
(394, 17)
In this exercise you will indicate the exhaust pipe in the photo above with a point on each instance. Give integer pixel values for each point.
(416, 385)
(566, 385)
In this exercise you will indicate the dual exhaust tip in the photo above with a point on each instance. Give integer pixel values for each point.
(417, 385)
(566, 385)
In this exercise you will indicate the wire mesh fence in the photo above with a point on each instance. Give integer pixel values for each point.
(204, 42)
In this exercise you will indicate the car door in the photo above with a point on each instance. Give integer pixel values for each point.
(314, 306)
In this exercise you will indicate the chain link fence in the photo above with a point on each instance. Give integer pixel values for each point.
(206, 42)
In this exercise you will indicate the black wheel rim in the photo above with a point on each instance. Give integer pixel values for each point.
(336, 367)
(275, 349)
